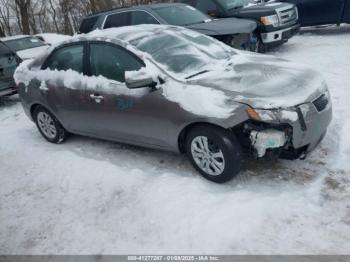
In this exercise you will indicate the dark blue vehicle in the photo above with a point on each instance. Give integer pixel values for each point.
(322, 12)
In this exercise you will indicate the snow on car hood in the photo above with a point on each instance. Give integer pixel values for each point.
(265, 81)
(32, 52)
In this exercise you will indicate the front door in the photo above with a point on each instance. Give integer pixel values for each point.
(129, 115)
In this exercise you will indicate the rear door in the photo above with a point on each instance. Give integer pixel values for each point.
(8, 64)
(319, 12)
(65, 90)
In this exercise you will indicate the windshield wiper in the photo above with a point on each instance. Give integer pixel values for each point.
(236, 7)
(196, 74)
(200, 22)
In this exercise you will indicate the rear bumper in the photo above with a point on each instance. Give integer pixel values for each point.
(280, 36)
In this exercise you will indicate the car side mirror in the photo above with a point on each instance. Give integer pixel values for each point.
(139, 79)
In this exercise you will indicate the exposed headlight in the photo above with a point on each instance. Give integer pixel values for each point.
(273, 115)
(270, 20)
(262, 115)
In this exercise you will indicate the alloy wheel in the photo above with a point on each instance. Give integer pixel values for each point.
(207, 155)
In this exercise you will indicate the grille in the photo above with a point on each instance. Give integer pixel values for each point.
(288, 16)
(321, 103)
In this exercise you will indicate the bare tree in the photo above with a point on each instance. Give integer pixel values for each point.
(5, 15)
(22, 10)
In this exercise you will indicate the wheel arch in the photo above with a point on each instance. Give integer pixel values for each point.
(35, 105)
(187, 128)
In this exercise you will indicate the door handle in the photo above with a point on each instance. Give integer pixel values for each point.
(97, 98)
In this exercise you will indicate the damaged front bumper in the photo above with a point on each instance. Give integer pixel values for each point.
(288, 134)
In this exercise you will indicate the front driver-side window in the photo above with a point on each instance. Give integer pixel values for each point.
(141, 17)
(112, 62)
(65, 58)
(117, 20)
(206, 6)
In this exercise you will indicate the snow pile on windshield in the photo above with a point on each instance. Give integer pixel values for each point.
(180, 51)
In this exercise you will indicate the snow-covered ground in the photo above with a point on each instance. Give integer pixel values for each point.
(89, 196)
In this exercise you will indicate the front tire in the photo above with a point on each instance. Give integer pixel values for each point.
(214, 152)
(258, 46)
(48, 125)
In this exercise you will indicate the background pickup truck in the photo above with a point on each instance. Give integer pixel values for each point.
(322, 12)
(277, 22)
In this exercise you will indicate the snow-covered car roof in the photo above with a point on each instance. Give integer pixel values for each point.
(182, 43)
(53, 38)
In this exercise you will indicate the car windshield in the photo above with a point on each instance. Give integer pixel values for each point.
(183, 51)
(232, 4)
(181, 15)
(4, 50)
(24, 43)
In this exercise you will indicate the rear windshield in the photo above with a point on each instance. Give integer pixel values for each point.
(181, 15)
(88, 24)
(24, 43)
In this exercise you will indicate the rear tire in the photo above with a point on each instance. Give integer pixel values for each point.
(214, 152)
(48, 125)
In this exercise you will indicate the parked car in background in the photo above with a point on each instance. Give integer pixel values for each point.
(8, 64)
(25, 46)
(322, 12)
(171, 88)
(235, 32)
(277, 22)
(52, 38)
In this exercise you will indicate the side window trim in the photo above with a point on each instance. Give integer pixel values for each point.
(83, 43)
(144, 11)
(88, 56)
(129, 18)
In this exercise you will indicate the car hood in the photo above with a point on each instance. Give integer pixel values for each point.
(225, 26)
(258, 10)
(265, 82)
(32, 52)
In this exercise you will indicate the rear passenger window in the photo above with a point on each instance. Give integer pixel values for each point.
(117, 20)
(141, 17)
(88, 24)
(65, 58)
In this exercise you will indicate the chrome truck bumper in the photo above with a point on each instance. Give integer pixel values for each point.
(279, 36)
